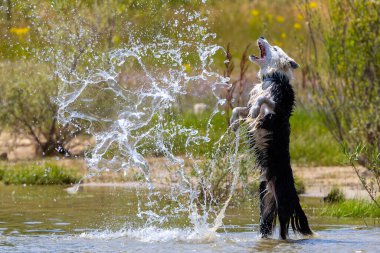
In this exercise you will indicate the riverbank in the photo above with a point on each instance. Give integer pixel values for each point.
(318, 181)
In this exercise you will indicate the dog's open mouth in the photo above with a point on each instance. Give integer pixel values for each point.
(262, 52)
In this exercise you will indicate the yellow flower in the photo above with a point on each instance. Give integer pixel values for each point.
(280, 19)
(299, 17)
(116, 39)
(19, 31)
(313, 5)
(297, 26)
(283, 35)
(255, 12)
(187, 67)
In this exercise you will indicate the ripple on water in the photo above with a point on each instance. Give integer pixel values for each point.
(153, 239)
(32, 222)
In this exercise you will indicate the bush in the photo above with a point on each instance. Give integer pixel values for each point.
(38, 175)
(300, 186)
(335, 195)
(348, 94)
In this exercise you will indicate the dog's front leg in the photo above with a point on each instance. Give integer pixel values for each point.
(255, 110)
(238, 112)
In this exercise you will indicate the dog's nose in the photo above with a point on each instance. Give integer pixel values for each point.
(262, 37)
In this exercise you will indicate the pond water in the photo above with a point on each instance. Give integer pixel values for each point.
(103, 219)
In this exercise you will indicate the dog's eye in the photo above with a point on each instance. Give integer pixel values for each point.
(275, 49)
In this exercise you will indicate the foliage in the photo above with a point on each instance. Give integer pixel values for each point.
(26, 106)
(349, 96)
(335, 195)
(46, 174)
(299, 184)
(352, 208)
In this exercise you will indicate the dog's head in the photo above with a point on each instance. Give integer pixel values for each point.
(273, 59)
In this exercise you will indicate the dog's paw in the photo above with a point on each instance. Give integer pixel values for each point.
(255, 111)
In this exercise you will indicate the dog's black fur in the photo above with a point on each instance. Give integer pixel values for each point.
(278, 195)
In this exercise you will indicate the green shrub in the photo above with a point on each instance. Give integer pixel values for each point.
(300, 186)
(1, 174)
(348, 92)
(38, 175)
(335, 195)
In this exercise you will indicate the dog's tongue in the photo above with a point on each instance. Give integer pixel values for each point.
(262, 51)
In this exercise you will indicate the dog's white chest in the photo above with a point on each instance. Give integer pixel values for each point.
(259, 92)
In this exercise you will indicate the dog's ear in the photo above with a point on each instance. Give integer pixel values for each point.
(293, 64)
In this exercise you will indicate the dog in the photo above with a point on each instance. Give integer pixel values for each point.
(267, 116)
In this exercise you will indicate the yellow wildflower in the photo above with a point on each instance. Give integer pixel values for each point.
(299, 17)
(313, 5)
(255, 12)
(19, 31)
(283, 35)
(297, 26)
(187, 67)
(116, 39)
(280, 19)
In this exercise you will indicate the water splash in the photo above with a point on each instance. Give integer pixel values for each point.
(155, 234)
(126, 101)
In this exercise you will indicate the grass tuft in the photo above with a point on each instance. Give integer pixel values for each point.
(299, 184)
(335, 195)
(47, 174)
(352, 208)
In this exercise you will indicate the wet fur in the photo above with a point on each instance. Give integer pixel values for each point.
(269, 140)
(269, 133)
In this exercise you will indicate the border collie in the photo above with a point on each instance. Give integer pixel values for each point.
(267, 115)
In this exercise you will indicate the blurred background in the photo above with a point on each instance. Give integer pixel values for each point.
(335, 127)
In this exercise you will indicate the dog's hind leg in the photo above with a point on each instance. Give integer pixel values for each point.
(267, 210)
(289, 208)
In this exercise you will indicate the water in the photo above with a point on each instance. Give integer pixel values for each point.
(48, 219)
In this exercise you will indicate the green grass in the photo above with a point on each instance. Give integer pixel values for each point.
(46, 174)
(310, 142)
(352, 208)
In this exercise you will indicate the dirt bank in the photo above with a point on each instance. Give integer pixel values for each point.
(319, 181)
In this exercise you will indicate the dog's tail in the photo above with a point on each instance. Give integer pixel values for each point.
(299, 221)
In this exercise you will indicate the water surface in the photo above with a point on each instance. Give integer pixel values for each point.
(103, 219)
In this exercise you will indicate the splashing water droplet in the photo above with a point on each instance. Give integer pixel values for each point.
(123, 101)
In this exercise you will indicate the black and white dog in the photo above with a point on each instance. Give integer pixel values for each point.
(267, 115)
